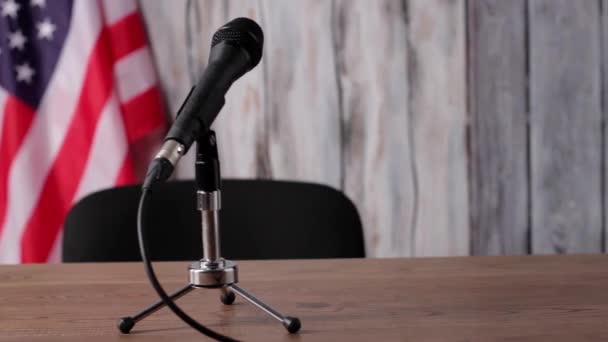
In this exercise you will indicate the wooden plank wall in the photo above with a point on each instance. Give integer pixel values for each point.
(498, 136)
(565, 126)
(438, 108)
(377, 142)
(603, 59)
(537, 130)
(457, 127)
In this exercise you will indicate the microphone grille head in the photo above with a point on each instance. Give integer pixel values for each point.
(245, 33)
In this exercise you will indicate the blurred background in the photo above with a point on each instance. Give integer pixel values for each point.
(457, 127)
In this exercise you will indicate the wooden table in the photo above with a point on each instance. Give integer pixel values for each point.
(540, 298)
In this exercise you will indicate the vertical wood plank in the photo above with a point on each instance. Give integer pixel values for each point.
(498, 138)
(166, 35)
(241, 126)
(604, 65)
(438, 106)
(303, 116)
(166, 28)
(565, 127)
(371, 43)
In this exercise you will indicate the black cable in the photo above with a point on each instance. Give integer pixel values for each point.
(143, 248)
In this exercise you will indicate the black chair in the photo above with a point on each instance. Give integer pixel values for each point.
(259, 219)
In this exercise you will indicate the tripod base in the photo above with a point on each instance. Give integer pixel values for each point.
(222, 275)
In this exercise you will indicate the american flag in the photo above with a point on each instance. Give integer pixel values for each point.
(77, 90)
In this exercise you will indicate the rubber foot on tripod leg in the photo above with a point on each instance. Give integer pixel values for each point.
(126, 324)
(228, 297)
(292, 324)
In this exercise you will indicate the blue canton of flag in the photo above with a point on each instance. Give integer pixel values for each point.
(30, 44)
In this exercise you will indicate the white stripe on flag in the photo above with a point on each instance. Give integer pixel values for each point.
(55, 255)
(134, 74)
(114, 10)
(108, 150)
(42, 143)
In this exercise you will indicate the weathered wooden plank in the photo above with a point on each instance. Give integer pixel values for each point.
(377, 160)
(604, 62)
(498, 135)
(241, 126)
(302, 111)
(565, 126)
(438, 108)
(166, 26)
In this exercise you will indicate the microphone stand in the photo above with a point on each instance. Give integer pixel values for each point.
(212, 271)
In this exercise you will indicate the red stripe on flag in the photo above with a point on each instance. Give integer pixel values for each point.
(143, 114)
(127, 172)
(17, 121)
(64, 176)
(127, 35)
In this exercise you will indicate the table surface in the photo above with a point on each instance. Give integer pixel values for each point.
(535, 298)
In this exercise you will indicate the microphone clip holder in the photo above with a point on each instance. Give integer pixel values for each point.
(212, 271)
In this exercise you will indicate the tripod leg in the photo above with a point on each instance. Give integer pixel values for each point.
(292, 324)
(125, 324)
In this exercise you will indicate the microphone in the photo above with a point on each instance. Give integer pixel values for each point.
(235, 49)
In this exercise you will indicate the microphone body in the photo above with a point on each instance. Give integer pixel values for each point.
(202, 105)
(236, 49)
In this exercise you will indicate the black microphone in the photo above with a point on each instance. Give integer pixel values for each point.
(235, 49)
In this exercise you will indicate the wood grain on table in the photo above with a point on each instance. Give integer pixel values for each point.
(540, 298)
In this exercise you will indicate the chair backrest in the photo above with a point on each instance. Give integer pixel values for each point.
(260, 219)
